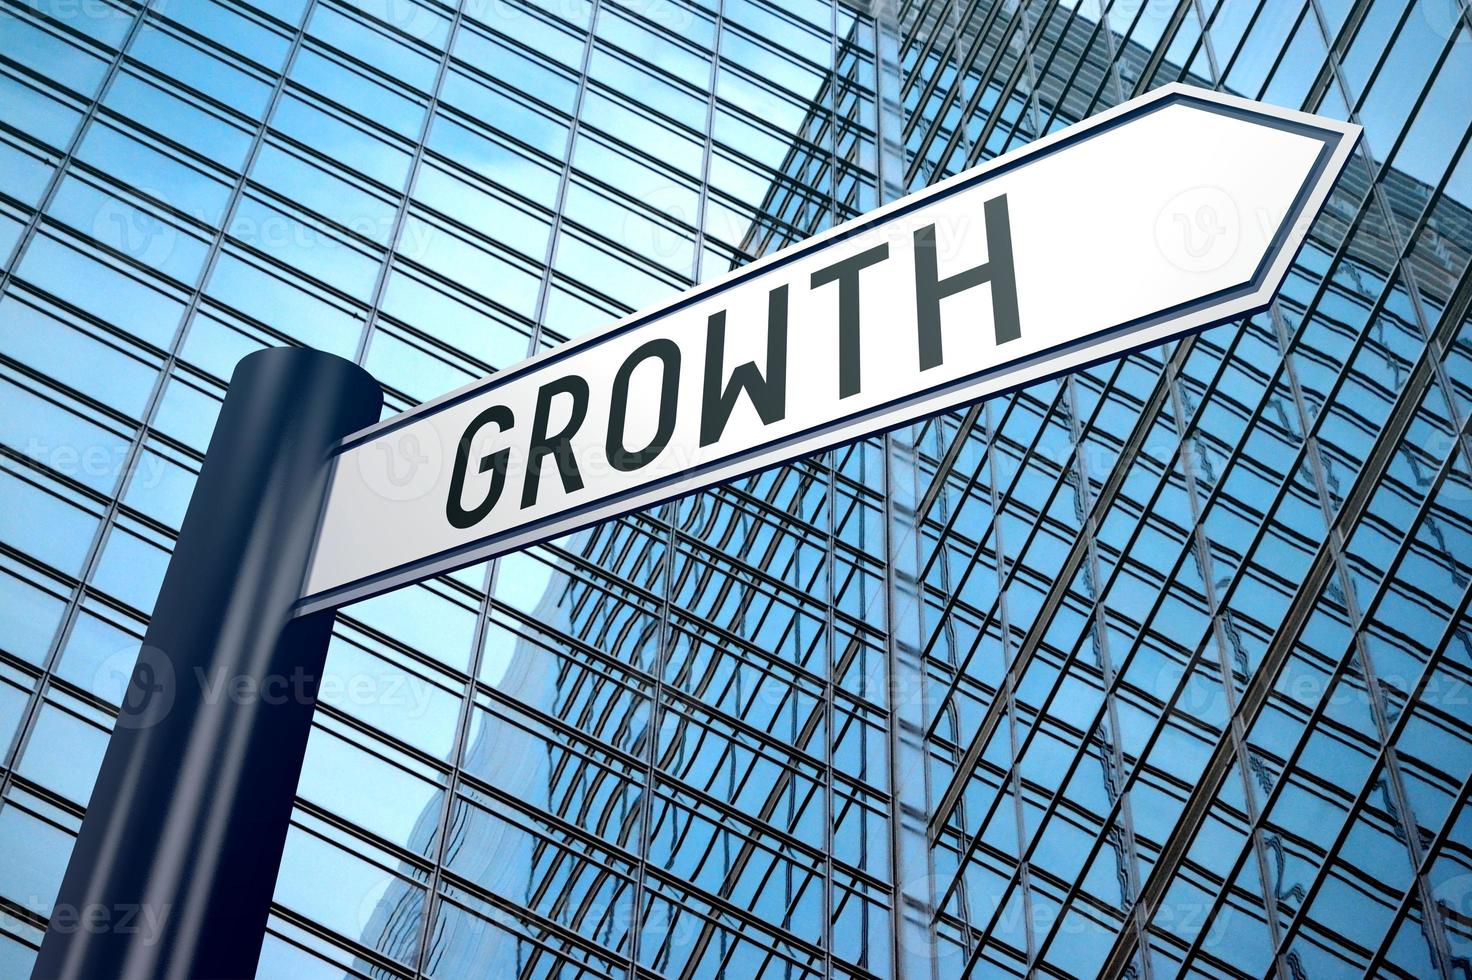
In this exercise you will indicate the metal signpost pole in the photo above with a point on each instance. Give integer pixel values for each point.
(172, 874)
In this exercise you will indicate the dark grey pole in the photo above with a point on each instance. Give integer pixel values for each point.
(172, 874)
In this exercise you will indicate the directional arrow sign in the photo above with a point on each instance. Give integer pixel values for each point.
(1167, 214)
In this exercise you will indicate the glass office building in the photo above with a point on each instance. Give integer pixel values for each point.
(1159, 669)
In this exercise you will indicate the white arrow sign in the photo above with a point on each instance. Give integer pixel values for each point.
(1172, 212)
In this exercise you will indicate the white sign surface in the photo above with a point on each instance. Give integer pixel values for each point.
(1173, 212)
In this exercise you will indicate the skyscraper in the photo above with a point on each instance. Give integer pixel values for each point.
(1159, 668)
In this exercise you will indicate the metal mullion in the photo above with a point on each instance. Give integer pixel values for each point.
(729, 745)
(57, 25)
(963, 65)
(1403, 805)
(1151, 62)
(945, 465)
(1106, 666)
(951, 597)
(770, 508)
(411, 864)
(965, 426)
(1140, 765)
(398, 646)
(727, 816)
(565, 850)
(33, 469)
(1355, 103)
(394, 31)
(746, 581)
(946, 529)
(314, 158)
(1063, 581)
(166, 369)
(470, 176)
(923, 27)
(1253, 417)
(1278, 650)
(592, 715)
(558, 821)
(283, 271)
(1310, 430)
(1117, 43)
(374, 960)
(190, 158)
(61, 230)
(1234, 730)
(827, 562)
(1116, 807)
(1409, 832)
(367, 124)
(370, 71)
(945, 10)
(714, 561)
(751, 655)
(761, 513)
(1333, 851)
(1061, 48)
(275, 26)
(586, 572)
(1257, 823)
(1092, 558)
(1252, 23)
(554, 231)
(475, 123)
(739, 863)
(975, 147)
(354, 724)
(1157, 55)
(973, 844)
(155, 76)
(1381, 755)
(1110, 72)
(748, 828)
(1433, 852)
(1101, 27)
(901, 529)
(69, 152)
(1205, 42)
(1007, 692)
(1027, 66)
(455, 223)
(799, 677)
(1404, 247)
(1272, 71)
(523, 914)
(777, 751)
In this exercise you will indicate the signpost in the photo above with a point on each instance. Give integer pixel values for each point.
(1170, 213)
(1167, 214)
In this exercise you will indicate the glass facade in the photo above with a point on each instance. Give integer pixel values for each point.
(1159, 669)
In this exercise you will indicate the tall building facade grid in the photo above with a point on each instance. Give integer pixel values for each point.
(1156, 670)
